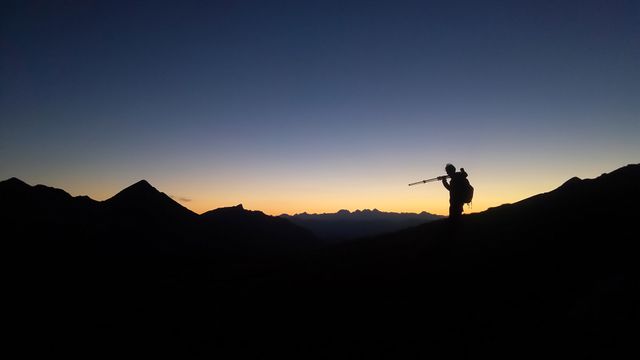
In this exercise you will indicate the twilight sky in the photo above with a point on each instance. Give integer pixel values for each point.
(292, 106)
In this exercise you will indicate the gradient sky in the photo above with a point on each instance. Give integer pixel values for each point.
(292, 106)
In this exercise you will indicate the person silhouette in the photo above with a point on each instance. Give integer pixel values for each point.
(456, 190)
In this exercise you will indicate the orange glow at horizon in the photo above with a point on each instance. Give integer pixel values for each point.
(387, 193)
(276, 194)
(434, 201)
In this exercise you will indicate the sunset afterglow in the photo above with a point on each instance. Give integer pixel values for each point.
(318, 106)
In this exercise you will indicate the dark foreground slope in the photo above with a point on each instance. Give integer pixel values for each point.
(80, 272)
(555, 274)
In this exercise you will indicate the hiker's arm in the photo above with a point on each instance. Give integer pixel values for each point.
(446, 185)
(464, 173)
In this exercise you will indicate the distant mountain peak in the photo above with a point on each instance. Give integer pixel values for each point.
(142, 185)
(15, 179)
(233, 212)
(15, 182)
(345, 224)
(141, 188)
(367, 211)
(142, 196)
(228, 210)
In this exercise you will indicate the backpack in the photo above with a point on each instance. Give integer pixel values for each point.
(466, 191)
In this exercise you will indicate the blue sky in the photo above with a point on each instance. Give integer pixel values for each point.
(290, 106)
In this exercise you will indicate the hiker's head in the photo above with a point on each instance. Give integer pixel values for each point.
(450, 169)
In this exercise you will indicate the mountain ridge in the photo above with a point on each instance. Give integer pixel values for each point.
(143, 197)
(140, 219)
(357, 211)
(345, 225)
(556, 272)
(552, 272)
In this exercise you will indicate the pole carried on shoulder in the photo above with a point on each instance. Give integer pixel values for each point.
(430, 180)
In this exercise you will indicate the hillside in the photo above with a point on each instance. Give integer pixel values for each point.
(138, 221)
(554, 273)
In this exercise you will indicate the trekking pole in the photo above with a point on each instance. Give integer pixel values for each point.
(429, 180)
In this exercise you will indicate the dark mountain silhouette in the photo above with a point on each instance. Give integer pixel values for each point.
(254, 232)
(343, 225)
(43, 220)
(552, 274)
(144, 221)
(19, 198)
(143, 198)
(141, 221)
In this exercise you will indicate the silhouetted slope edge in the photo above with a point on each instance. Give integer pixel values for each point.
(554, 271)
(140, 221)
(17, 196)
(606, 203)
(616, 189)
(143, 197)
(254, 232)
(41, 220)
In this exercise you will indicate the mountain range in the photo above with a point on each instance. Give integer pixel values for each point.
(344, 225)
(552, 274)
(140, 220)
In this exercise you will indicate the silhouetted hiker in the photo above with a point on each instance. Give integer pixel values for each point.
(460, 191)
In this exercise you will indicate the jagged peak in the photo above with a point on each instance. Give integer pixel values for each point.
(15, 182)
(138, 190)
(228, 209)
(142, 196)
(140, 187)
(237, 210)
(142, 184)
(359, 214)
